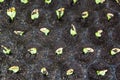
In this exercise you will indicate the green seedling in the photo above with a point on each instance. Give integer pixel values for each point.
(109, 16)
(60, 12)
(45, 31)
(118, 1)
(85, 14)
(59, 51)
(48, 1)
(99, 1)
(32, 50)
(6, 50)
(88, 50)
(1, 1)
(73, 31)
(98, 34)
(114, 51)
(69, 72)
(24, 1)
(14, 69)
(19, 33)
(35, 14)
(11, 12)
(75, 1)
(101, 72)
(44, 71)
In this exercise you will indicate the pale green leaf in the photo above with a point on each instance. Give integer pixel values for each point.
(15, 69)
(48, 1)
(11, 12)
(35, 14)
(32, 50)
(45, 31)
(60, 12)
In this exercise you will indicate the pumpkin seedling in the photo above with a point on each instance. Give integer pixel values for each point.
(44, 71)
(48, 1)
(59, 51)
(98, 34)
(24, 1)
(1, 1)
(85, 14)
(32, 50)
(11, 12)
(87, 50)
(109, 16)
(69, 72)
(99, 1)
(114, 51)
(101, 72)
(60, 12)
(75, 1)
(19, 33)
(14, 69)
(73, 31)
(35, 14)
(45, 31)
(6, 50)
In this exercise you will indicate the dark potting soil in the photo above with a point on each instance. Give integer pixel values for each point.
(84, 65)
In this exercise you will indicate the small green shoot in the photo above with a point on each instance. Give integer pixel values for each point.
(114, 51)
(59, 51)
(101, 72)
(6, 50)
(48, 1)
(118, 1)
(44, 71)
(1, 1)
(85, 14)
(109, 16)
(98, 34)
(75, 1)
(19, 33)
(15, 69)
(88, 50)
(32, 50)
(69, 72)
(60, 12)
(73, 31)
(45, 31)
(99, 1)
(35, 14)
(24, 1)
(11, 12)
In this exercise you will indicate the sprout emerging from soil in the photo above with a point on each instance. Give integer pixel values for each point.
(101, 72)
(115, 51)
(19, 33)
(35, 14)
(70, 72)
(48, 1)
(88, 50)
(15, 69)
(1, 1)
(98, 33)
(85, 14)
(118, 1)
(99, 1)
(59, 51)
(11, 12)
(75, 1)
(45, 31)
(6, 50)
(44, 71)
(60, 12)
(24, 1)
(109, 16)
(73, 31)
(32, 50)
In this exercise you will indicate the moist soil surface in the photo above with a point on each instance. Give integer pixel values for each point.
(84, 65)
